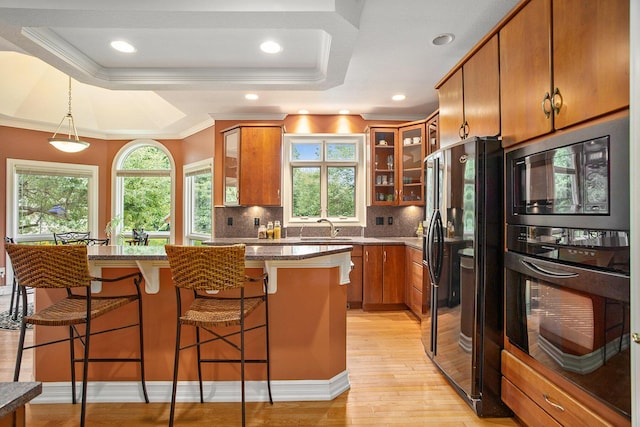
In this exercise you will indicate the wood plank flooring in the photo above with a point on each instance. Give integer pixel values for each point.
(392, 384)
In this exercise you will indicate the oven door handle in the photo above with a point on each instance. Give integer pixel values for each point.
(546, 271)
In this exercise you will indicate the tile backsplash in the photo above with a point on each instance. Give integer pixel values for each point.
(382, 221)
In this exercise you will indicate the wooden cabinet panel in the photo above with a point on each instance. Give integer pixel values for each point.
(553, 400)
(384, 165)
(393, 274)
(260, 166)
(590, 58)
(414, 286)
(526, 409)
(451, 109)
(354, 289)
(383, 277)
(525, 68)
(481, 77)
(411, 153)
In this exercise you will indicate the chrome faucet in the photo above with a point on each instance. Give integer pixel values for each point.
(334, 230)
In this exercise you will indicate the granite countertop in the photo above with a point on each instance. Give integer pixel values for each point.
(414, 242)
(254, 252)
(16, 394)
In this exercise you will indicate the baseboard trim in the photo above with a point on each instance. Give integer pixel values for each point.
(215, 391)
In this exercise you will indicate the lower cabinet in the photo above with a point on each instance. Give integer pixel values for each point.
(539, 402)
(383, 277)
(354, 288)
(414, 289)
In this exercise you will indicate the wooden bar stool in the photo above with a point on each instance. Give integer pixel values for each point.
(66, 267)
(217, 269)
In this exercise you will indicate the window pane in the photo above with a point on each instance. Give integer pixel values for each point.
(52, 204)
(307, 151)
(306, 191)
(147, 203)
(201, 198)
(341, 151)
(147, 157)
(342, 191)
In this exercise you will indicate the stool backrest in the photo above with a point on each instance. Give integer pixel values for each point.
(207, 267)
(48, 266)
(72, 237)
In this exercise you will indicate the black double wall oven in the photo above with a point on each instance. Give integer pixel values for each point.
(567, 260)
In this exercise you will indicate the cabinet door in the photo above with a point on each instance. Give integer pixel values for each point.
(354, 289)
(590, 58)
(481, 75)
(393, 274)
(433, 135)
(231, 167)
(410, 171)
(384, 176)
(451, 110)
(260, 166)
(525, 73)
(372, 275)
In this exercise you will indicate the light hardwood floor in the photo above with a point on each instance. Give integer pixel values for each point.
(392, 384)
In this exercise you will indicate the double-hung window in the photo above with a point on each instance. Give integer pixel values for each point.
(324, 178)
(198, 202)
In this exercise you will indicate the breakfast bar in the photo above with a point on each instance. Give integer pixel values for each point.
(307, 309)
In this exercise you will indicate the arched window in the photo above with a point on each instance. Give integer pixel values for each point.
(143, 193)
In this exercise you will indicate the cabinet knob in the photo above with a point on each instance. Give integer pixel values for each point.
(556, 101)
(635, 337)
(545, 100)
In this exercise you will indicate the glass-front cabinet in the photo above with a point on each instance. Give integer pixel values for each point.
(231, 147)
(384, 143)
(411, 155)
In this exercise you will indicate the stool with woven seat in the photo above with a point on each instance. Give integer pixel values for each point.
(203, 269)
(66, 267)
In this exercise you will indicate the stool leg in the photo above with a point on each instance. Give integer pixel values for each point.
(266, 325)
(15, 294)
(176, 359)
(199, 355)
(85, 372)
(72, 354)
(23, 329)
(242, 355)
(140, 325)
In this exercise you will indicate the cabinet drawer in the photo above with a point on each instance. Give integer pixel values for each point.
(547, 395)
(526, 409)
(357, 251)
(414, 255)
(415, 300)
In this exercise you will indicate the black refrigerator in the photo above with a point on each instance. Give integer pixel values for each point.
(462, 330)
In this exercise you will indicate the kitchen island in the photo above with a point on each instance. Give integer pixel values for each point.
(307, 308)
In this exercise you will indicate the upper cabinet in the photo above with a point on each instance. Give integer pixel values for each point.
(253, 165)
(562, 63)
(384, 144)
(469, 100)
(411, 154)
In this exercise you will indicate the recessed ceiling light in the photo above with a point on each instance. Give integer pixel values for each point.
(270, 47)
(443, 39)
(303, 111)
(122, 46)
(251, 96)
(344, 111)
(398, 97)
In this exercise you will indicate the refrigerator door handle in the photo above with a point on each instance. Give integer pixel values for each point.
(429, 247)
(438, 229)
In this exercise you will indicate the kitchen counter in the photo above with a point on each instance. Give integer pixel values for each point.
(307, 311)
(13, 397)
(414, 242)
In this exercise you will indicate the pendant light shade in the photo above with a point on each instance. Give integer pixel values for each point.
(70, 143)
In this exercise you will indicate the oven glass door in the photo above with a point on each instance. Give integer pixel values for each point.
(582, 336)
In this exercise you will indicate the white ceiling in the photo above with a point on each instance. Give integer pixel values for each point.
(196, 59)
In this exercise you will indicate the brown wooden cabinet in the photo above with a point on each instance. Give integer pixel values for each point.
(414, 289)
(562, 63)
(537, 401)
(383, 142)
(252, 165)
(470, 98)
(354, 289)
(383, 277)
(411, 153)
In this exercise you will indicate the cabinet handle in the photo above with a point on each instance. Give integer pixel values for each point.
(461, 131)
(547, 98)
(550, 402)
(466, 128)
(556, 101)
(384, 256)
(366, 255)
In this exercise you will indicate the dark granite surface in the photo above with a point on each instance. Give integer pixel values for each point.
(16, 394)
(254, 252)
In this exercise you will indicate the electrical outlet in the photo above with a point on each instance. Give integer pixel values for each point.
(379, 220)
(230, 221)
(256, 222)
(390, 220)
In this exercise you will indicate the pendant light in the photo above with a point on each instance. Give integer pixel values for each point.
(72, 143)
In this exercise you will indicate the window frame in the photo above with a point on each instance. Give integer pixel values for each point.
(360, 176)
(117, 190)
(13, 165)
(188, 171)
